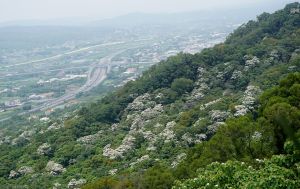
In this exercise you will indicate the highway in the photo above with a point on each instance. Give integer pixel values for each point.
(63, 54)
(96, 74)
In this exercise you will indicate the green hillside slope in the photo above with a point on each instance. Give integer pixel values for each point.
(179, 117)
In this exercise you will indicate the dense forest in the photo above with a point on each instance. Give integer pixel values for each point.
(226, 117)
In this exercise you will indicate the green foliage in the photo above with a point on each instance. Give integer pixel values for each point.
(182, 85)
(263, 134)
(235, 174)
(280, 23)
(245, 139)
(157, 177)
(104, 183)
(280, 105)
(168, 96)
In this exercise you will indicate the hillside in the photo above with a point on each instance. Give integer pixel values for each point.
(179, 117)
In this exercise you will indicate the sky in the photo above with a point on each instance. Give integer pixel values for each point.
(14, 10)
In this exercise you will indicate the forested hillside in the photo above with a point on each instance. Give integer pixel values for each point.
(216, 119)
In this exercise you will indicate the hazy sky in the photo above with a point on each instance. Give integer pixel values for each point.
(97, 9)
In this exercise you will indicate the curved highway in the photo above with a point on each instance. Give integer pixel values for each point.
(96, 74)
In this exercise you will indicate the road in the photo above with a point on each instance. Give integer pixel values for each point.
(96, 74)
(72, 52)
(63, 54)
(45, 71)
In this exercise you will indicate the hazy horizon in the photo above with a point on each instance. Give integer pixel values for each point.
(89, 10)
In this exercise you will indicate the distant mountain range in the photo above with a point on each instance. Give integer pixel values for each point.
(134, 19)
